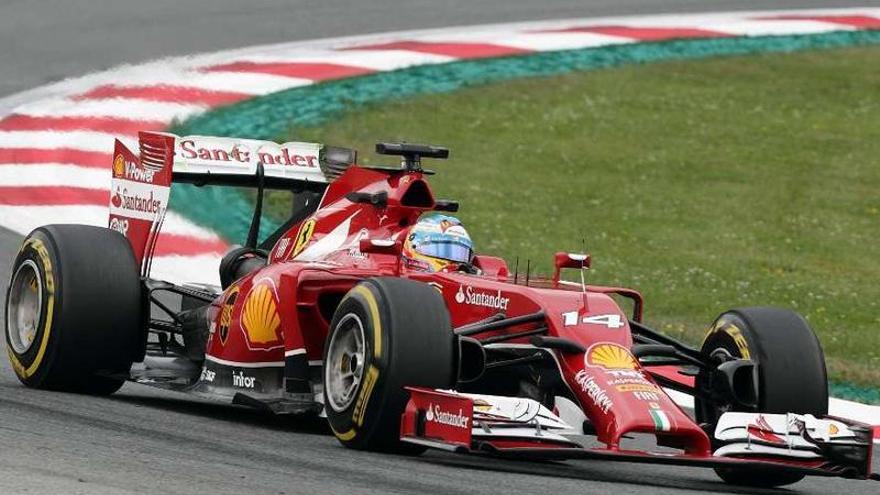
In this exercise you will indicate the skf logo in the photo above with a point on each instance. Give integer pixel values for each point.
(207, 375)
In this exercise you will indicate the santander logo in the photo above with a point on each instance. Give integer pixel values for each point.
(436, 415)
(146, 204)
(469, 295)
(219, 150)
(116, 200)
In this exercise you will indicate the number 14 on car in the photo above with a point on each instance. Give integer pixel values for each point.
(612, 320)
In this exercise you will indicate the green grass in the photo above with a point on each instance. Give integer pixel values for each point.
(706, 184)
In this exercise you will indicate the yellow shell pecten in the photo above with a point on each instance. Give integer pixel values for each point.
(611, 356)
(118, 166)
(260, 316)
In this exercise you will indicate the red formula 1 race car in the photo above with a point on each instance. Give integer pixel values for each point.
(371, 308)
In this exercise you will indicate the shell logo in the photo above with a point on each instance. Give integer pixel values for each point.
(260, 316)
(610, 356)
(118, 166)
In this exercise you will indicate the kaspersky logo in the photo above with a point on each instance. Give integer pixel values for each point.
(469, 295)
(435, 415)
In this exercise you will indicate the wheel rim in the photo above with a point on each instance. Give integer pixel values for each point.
(24, 307)
(344, 369)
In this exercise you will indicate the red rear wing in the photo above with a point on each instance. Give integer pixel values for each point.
(141, 185)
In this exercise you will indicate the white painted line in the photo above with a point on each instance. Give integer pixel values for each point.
(83, 83)
(775, 28)
(23, 219)
(558, 41)
(177, 224)
(241, 82)
(80, 140)
(180, 269)
(256, 84)
(380, 60)
(53, 175)
(854, 410)
(125, 108)
(238, 364)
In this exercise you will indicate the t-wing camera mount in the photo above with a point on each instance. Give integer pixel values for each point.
(412, 153)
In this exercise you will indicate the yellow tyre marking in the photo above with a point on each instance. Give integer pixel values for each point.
(43, 254)
(735, 334)
(360, 408)
(344, 436)
(712, 329)
(372, 375)
(738, 338)
(19, 369)
(374, 316)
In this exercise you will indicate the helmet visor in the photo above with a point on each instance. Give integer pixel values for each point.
(451, 251)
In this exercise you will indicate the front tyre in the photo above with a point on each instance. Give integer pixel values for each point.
(791, 374)
(73, 310)
(386, 333)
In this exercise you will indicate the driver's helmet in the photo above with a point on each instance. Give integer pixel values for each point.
(437, 243)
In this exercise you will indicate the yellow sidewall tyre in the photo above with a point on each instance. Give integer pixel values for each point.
(408, 341)
(791, 373)
(87, 330)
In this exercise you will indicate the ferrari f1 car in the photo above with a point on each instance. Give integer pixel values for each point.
(326, 317)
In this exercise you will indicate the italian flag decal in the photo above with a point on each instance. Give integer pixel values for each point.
(661, 421)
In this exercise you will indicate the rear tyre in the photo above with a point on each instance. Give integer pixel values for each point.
(386, 333)
(73, 310)
(791, 374)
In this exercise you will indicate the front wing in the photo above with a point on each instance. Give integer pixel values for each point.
(522, 428)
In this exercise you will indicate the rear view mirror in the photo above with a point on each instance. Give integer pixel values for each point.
(384, 246)
(569, 260)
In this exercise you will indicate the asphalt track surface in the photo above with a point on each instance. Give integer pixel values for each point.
(145, 441)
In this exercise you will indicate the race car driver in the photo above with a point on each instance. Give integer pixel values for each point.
(438, 243)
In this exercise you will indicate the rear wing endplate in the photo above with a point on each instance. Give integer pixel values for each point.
(141, 184)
